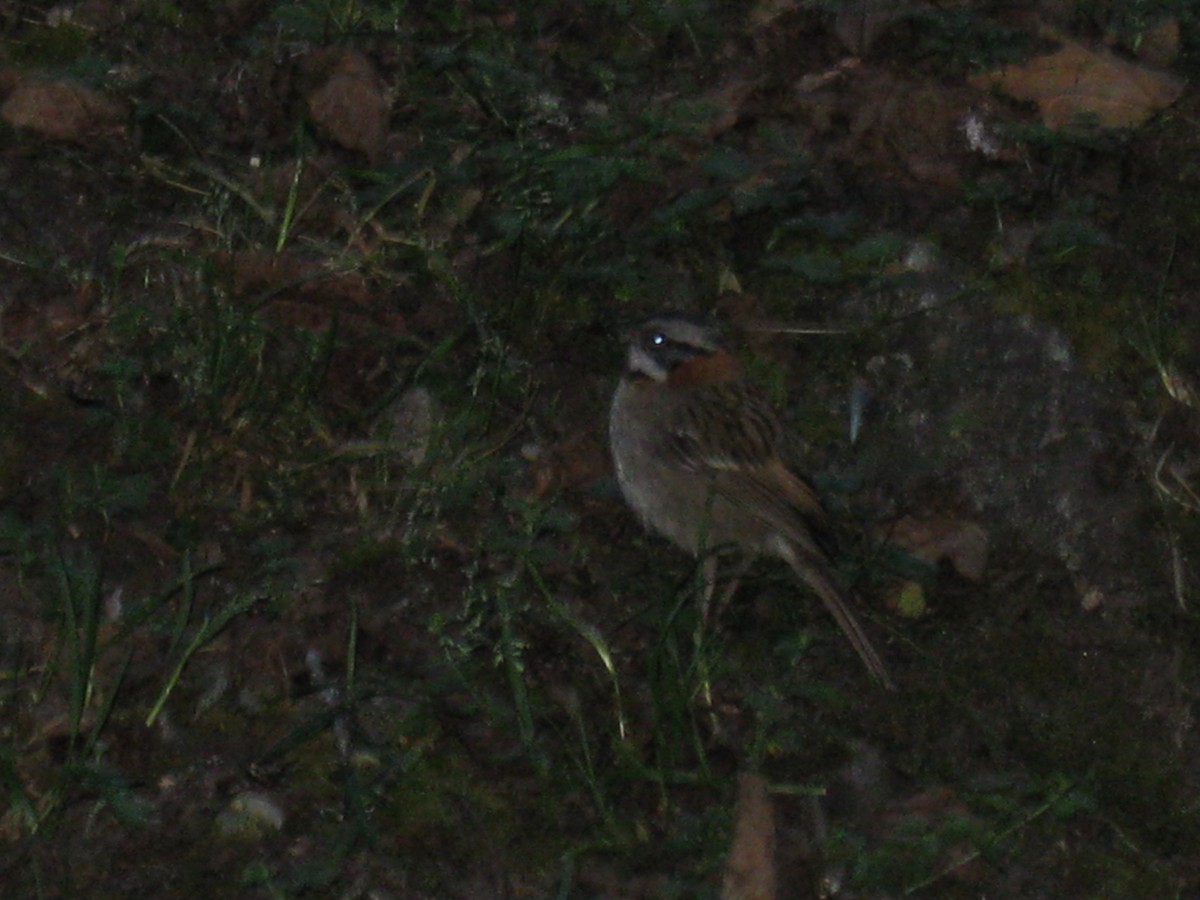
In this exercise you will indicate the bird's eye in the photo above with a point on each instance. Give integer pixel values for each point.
(658, 339)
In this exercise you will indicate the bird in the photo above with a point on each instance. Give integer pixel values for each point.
(700, 455)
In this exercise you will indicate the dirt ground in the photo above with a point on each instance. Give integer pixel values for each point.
(314, 576)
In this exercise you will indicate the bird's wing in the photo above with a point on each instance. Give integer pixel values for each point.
(724, 427)
(728, 433)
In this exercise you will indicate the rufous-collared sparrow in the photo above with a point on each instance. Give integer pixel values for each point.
(698, 457)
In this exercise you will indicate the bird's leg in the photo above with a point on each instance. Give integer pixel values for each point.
(708, 571)
(708, 610)
(731, 586)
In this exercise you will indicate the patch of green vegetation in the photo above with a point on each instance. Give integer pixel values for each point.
(958, 39)
(52, 46)
(83, 678)
(161, 13)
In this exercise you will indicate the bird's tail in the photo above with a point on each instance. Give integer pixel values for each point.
(815, 572)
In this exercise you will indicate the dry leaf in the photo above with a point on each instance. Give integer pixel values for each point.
(750, 871)
(902, 128)
(259, 275)
(351, 105)
(1075, 84)
(962, 543)
(63, 111)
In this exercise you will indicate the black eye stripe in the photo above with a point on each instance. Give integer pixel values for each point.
(669, 353)
(660, 342)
